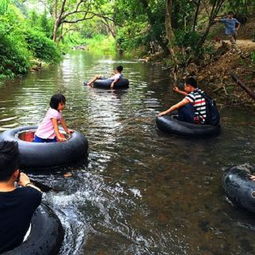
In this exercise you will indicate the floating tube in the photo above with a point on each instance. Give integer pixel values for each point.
(43, 155)
(171, 125)
(239, 188)
(46, 234)
(106, 83)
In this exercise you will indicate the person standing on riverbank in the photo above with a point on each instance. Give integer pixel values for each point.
(117, 74)
(193, 107)
(17, 204)
(232, 25)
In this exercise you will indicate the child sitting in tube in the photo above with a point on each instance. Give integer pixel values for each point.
(48, 130)
(192, 108)
(115, 77)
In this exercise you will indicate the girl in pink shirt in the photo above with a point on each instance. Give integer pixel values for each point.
(48, 130)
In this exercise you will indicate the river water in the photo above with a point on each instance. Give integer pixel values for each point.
(142, 192)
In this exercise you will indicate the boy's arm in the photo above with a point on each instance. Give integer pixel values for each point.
(113, 83)
(175, 107)
(238, 24)
(177, 90)
(24, 181)
(56, 130)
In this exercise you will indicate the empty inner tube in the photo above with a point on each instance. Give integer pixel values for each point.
(106, 83)
(43, 155)
(239, 188)
(46, 234)
(171, 125)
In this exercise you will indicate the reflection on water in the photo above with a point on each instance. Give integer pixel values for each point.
(142, 192)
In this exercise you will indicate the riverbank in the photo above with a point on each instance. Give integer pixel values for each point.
(217, 74)
(214, 72)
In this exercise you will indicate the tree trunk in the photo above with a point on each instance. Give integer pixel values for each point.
(214, 12)
(171, 37)
(196, 15)
(168, 23)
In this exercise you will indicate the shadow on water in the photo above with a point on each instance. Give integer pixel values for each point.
(142, 192)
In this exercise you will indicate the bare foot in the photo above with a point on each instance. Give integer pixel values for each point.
(68, 174)
(252, 177)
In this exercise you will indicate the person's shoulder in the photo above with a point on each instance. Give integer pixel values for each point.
(52, 110)
(31, 192)
(192, 93)
(190, 96)
(53, 113)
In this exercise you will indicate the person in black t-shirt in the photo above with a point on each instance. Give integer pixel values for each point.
(17, 204)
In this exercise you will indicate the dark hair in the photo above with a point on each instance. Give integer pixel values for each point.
(231, 13)
(9, 159)
(119, 68)
(56, 100)
(191, 81)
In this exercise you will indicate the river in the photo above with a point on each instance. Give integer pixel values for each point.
(142, 192)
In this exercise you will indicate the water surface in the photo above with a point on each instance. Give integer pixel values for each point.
(142, 192)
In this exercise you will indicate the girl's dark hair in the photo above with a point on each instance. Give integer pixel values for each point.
(56, 99)
(191, 81)
(9, 159)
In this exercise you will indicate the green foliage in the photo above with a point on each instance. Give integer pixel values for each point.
(42, 47)
(132, 35)
(139, 23)
(41, 23)
(74, 39)
(186, 39)
(3, 6)
(241, 7)
(18, 44)
(101, 44)
(253, 57)
(14, 56)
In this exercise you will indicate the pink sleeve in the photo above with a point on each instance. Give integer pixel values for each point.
(54, 114)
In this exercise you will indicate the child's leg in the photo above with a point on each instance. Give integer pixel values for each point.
(186, 113)
(38, 139)
(41, 140)
(232, 39)
(54, 140)
(94, 79)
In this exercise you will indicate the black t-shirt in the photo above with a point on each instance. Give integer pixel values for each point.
(16, 210)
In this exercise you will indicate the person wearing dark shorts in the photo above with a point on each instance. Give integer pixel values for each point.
(19, 198)
(192, 108)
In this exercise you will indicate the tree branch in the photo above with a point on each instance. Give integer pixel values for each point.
(245, 88)
(78, 20)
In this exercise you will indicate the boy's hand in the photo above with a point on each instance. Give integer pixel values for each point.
(70, 131)
(23, 179)
(161, 114)
(112, 85)
(176, 89)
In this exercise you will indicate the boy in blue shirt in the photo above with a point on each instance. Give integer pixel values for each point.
(231, 27)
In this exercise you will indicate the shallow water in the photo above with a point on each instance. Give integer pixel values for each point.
(142, 192)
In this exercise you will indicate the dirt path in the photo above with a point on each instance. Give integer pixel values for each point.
(246, 44)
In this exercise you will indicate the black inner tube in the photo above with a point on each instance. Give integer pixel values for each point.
(46, 235)
(171, 125)
(44, 155)
(106, 83)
